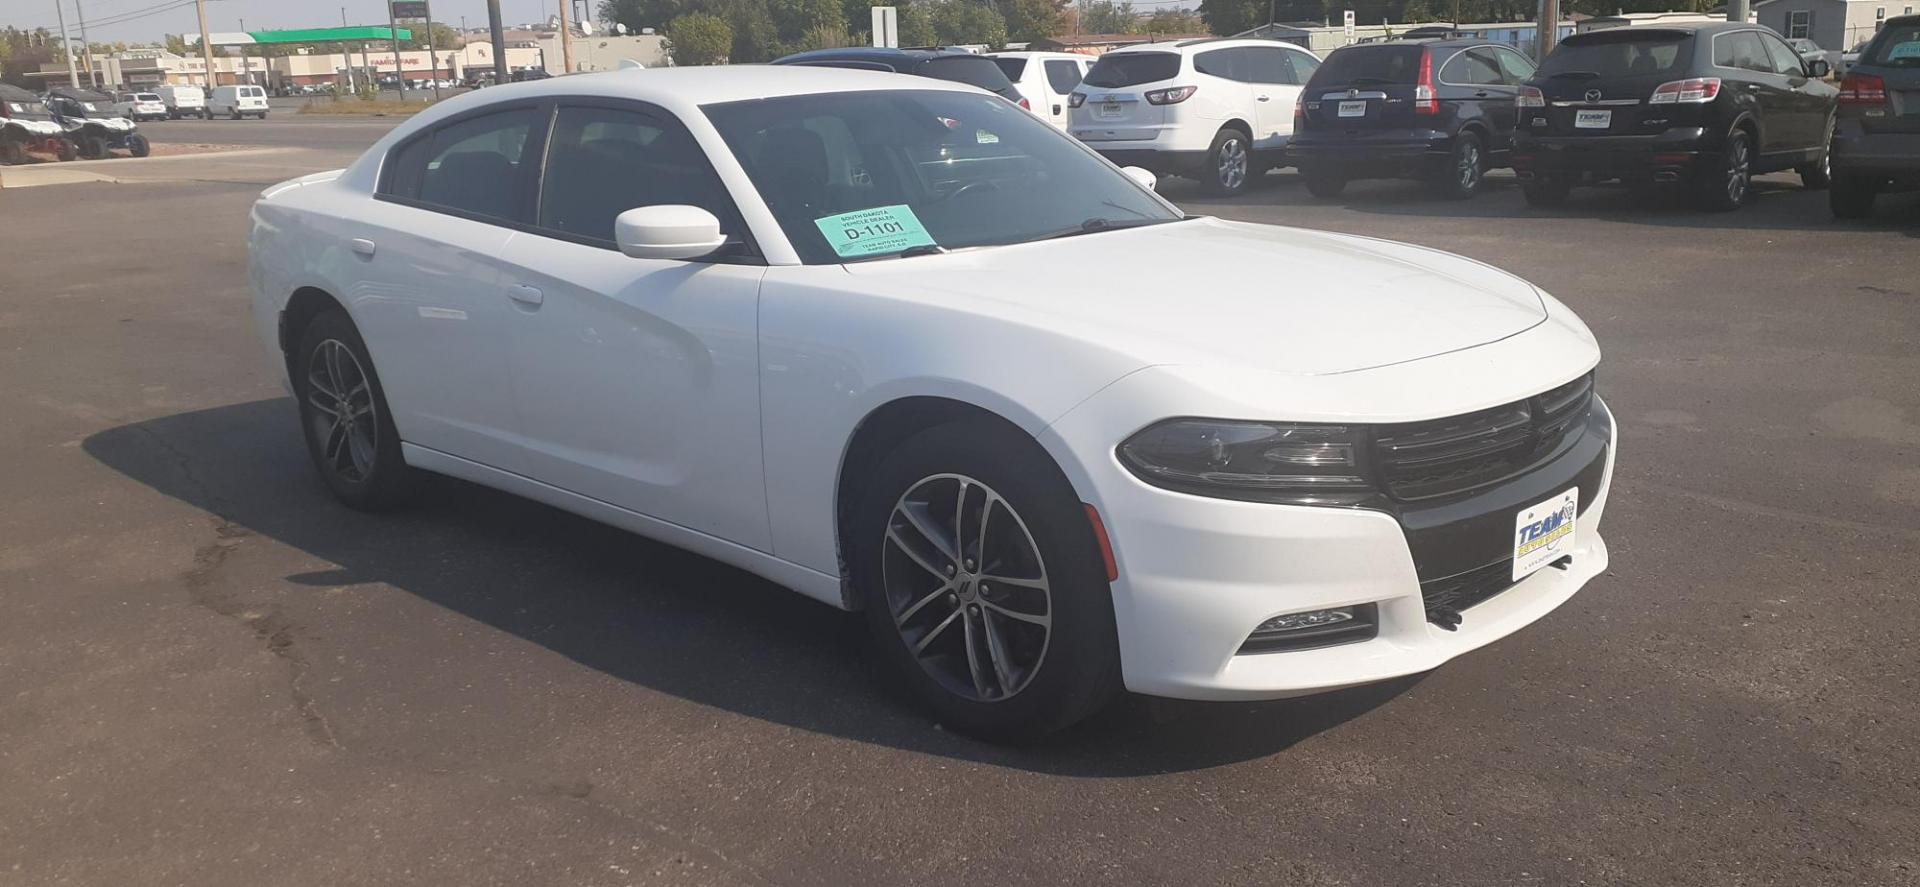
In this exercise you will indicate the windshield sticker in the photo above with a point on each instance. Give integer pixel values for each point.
(872, 232)
(1908, 50)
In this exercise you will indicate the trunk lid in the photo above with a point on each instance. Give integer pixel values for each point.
(1598, 83)
(1362, 88)
(1116, 89)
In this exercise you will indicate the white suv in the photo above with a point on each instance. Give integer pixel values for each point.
(1216, 110)
(1044, 79)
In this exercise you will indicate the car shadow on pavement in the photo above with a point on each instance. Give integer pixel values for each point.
(650, 613)
(1779, 203)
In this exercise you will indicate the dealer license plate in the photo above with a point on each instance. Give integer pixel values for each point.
(1593, 120)
(1109, 110)
(1544, 533)
(1353, 109)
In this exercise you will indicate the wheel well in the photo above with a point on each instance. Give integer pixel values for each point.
(878, 434)
(1752, 129)
(1245, 128)
(307, 303)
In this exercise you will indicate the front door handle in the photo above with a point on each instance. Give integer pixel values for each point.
(526, 295)
(1482, 94)
(362, 247)
(1261, 98)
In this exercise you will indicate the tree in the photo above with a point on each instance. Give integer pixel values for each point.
(1030, 20)
(699, 39)
(822, 37)
(795, 19)
(916, 24)
(1175, 21)
(958, 22)
(443, 37)
(637, 14)
(1232, 16)
(754, 37)
(1104, 17)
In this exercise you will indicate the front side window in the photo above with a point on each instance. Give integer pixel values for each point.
(1784, 60)
(1270, 66)
(1741, 49)
(602, 162)
(1515, 68)
(951, 169)
(472, 166)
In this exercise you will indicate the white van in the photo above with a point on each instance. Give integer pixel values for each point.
(1044, 79)
(238, 101)
(184, 101)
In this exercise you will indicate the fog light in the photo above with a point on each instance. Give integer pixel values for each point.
(1314, 628)
(1309, 619)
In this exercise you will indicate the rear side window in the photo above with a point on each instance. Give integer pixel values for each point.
(1118, 69)
(1371, 65)
(1232, 64)
(1475, 67)
(969, 69)
(1898, 46)
(473, 166)
(1012, 67)
(602, 162)
(1062, 75)
(1619, 53)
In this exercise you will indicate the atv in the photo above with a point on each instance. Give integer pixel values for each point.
(27, 125)
(89, 120)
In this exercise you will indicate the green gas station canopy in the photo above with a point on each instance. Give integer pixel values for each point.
(312, 35)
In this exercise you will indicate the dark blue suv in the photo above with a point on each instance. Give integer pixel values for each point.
(1437, 110)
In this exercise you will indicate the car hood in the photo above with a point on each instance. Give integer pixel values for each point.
(1204, 290)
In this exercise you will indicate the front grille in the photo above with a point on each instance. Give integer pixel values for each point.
(1446, 598)
(1441, 457)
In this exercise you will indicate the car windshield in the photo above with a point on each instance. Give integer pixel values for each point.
(1370, 64)
(1117, 69)
(1617, 53)
(1898, 47)
(863, 175)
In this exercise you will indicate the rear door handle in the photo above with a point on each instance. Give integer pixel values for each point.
(1482, 94)
(526, 295)
(362, 246)
(1056, 109)
(1262, 98)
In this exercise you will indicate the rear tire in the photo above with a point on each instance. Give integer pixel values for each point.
(344, 417)
(1725, 186)
(1466, 168)
(66, 150)
(1545, 191)
(989, 494)
(1818, 175)
(1324, 185)
(1852, 197)
(1229, 166)
(11, 153)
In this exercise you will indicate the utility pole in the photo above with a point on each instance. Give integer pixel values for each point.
(346, 51)
(566, 39)
(66, 44)
(246, 66)
(1547, 32)
(1737, 11)
(93, 80)
(499, 42)
(399, 71)
(206, 45)
(433, 57)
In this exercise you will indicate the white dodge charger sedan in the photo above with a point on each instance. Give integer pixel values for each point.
(903, 347)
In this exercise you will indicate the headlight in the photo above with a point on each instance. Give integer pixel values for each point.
(1255, 461)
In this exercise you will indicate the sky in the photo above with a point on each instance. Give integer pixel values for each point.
(142, 21)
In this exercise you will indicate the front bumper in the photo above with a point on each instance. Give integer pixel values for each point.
(1668, 156)
(1198, 574)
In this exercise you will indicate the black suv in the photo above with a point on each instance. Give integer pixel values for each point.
(1876, 146)
(1710, 105)
(954, 65)
(1439, 110)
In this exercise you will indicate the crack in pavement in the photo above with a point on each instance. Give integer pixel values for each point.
(271, 627)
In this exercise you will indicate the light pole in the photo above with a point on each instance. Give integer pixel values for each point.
(499, 41)
(206, 45)
(93, 79)
(66, 44)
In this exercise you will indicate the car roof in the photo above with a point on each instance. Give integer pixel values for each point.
(1038, 54)
(11, 93)
(868, 53)
(1669, 29)
(1202, 44)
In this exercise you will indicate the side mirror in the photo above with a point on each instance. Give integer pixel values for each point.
(1818, 68)
(1146, 179)
(672, 231)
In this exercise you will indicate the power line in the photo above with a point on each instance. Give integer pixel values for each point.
(130, 15)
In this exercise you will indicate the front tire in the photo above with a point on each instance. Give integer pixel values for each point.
(1852, 197)
(1727, 185)
(984, 585)
(1229, 166)
(344, 416)
(1466, 168)
(138, 146)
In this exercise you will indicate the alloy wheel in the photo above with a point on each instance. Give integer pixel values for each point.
(1468, 168)
(967, 588)
(342, 417)
(1233, 163)
(1739, 170)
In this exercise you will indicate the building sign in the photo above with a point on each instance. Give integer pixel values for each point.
(409, 9)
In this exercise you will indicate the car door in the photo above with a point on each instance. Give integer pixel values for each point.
(1812, 101)
(1229, 91)
(1062, 75)
(1742, 53)
(1473, 88)
(430, 296)
(1276, 90)
(636, 380)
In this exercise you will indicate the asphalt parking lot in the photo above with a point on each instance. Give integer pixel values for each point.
(210, 673)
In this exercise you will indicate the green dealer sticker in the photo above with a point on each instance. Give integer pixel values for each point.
(871, 232)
